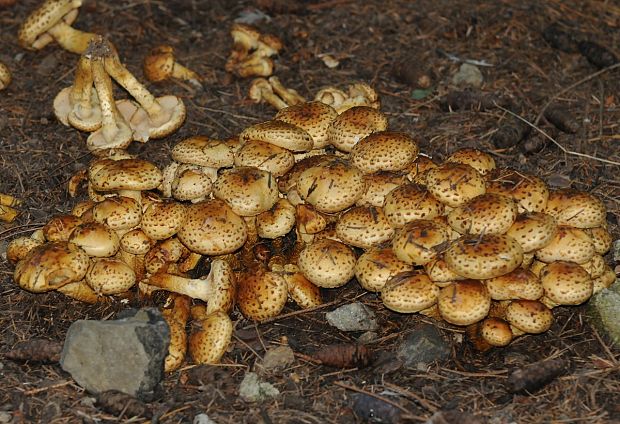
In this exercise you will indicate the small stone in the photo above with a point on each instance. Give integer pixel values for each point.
(367, 337)
(353, 317)
(254, 390)
(468, 75)
(277, 358)
(125, 354)
(5, 417)
(616, 250)
(203, 419)
(604, 310)
(425, 345)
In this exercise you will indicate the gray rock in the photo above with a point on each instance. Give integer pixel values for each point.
(277, 358)
(254, 390)
(203, 419)
(125, 354)
(425, 345)
(604, 310)
(352, 317)
(468, 76)
(367, 337)
(5, 417)
(616, 250)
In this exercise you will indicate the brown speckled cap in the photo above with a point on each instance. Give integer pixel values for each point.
(488, 213)
(204, 151)
(606, 279)
(576, 208)
(518, 284)
(327, 263)
(277, 221)
(420, 241)
(455, 183)
(416, 172)
(533, 230)
(280, 133)
(530, 192)
(261, 294)
(601, 238)
(266, 156)
(32, 32)
(378, 185)
(300, 289)
(566, 283)
(136, 242)
(247, 190)
(438, 271)
(477, 159)
(124, 174)
(376, 266)
(409, 202)
(313, 117)
(364, 227)
(484, 256)
(354, 124)
(409, 292)
(464, 302)
(496, 332)
(210, 338)
(596, 266)
(109, 276)
(529, 316)
(59, 228)
(568, 244)
(95, 239)
(384, 151)
(162, 220)
(118, 212)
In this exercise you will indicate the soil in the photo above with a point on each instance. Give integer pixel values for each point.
(388, 44)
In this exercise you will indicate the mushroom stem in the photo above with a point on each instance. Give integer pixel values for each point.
(290, 96)
(260, 89)
(71, 39)
(181, 72)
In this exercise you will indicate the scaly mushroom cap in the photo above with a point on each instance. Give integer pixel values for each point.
(32, 32)
(280, 133)
(601, 238)
(118, 212)
(247, 190)
(288, 181)
(162, 220)
(313, 117)
(163, 254)
(212, 228)
(530, 192)
(518, 284)
(265, 156)
(327, 263)
(353, 125)
(203, 151)
(210, 338)
(176, 317)
(378, 185)
(482, 257)
(124, 174)
(79, 290)
(376, 266)
(159, 63)
(136, 242)
(595, 266)
(409, 202)
(576, 208)
(566, 283)
(331, 186)
(533, 230)
(409, 292)
(308, 220)
(109, 276)
(488, 213)
(18, 248)
(479, 160)
(277, 221)
(60, 227)
(190, 182)
(568, 244)
(496, 332)
(261, 294)
(416, 173)
(455, 183)
(419, 241)
(95, 239)
(300, 289)
(529, 316)
(438, 271)
(50, 266)
(364, 227)
(606, 279)
(464, 302)
(5, 76)
(384, 151)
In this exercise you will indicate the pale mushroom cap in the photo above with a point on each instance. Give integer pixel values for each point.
(136, 242)
(409, 293)
(203, 151)
(277, 221)
(288, 181)
(568, 244)
(518, 284)
(301, 290)
(420, 241)
(247, 190)
(566, 283)
(212, 228)
(384, 151)
(162, 220)
(209, 341)
(464, 302)
(530, 192)
(477, 159)
(576, 208)
(409, 202)
(5, 76)
(601, 238)
(59, 228)
(533, 230)
(496, 332)
(265, 156)
(376, 266)
(118, 212)
(529, 316)
(124, 174)
(488, 213)
(50, 266)
(378, 185)
(483, 257)
(438, 271)
(364, 227)
(455, 183)
(19, 247)
(353, 125)
(313, 117)
(327, 263)
(279, 133)
(109, 276)
(42, 19)
(164, 253)
(190, 182)
(261, 294)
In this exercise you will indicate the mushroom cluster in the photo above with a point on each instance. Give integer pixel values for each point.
(251, 52)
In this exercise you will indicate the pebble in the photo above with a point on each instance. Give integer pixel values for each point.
(353, 317)
(468, 75)
(252, 389)
(423, 346)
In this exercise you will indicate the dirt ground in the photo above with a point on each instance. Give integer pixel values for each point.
(372, 40)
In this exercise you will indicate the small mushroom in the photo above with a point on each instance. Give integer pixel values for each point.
(601, 239)
(464, 302)
(384, 151)
(455, 183)
(364, 227)
(409, 202)
(160, 65)
(162, 220)
(378, 185)
(261, 294)
(127, 177)
(95, 239)
(439, 271)
(565, 283)
(487, 213)
(79, 290)
(409, 292)
(19, 247)
(277, 221)
(576, 208)
(477, 159)
(530, 192)
(496, 332)
(60, 227)
(420, 241)
(375, 267)
(291, 97)
(353, 125)
(280, 133)
(210, 335)
(533, 230)
(247, 190)
(108, 276)
(518, 284)
(204, 151)
(529, 316)
(327, 263)
(5, 76)
(266, 156)
(568, 244)
(176, 316)
(260, 90)
(313, 117)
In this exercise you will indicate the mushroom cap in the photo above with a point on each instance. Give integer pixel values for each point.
(204, 151)
(601, 239)
(309, 220)
(210, 338)
(265, 156)
(488, 213)
(439, 272)
(533, 230)
(50, 266)
(79, 290)
(288, 181)
(409, 292)
(327, 263)
(247, 33)
(164, 253)
(416, 173)
(172, 117)
(313, 117)
(190, 182)
(300, 289)
(280, 133)
(496, 332)
(118, 212)
(159, 63)
(19, 247)
(354, 124)
(576, 208)
(605, 280)
(530, 192)
(464, 302)
(518, 284)
(108, 276)
(455, 183)
(378, 185)
(162, 220)
(364, 227)
(277, 221)
(95, 239)
(484, 256)
(375, 267)
(477, 159)
(384, 151)
(529, 316)
(261, 294)
(566, 283)
(5, 76)
(212, 228)
(124, 174)
(331, 186)
(568, 244)
(32, 31)
(247, 190)
(409, 202)
(59, 228)
(136, 242)
(595, 266)
(419, 241)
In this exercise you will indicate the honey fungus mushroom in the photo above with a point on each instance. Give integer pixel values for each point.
(160, 64)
